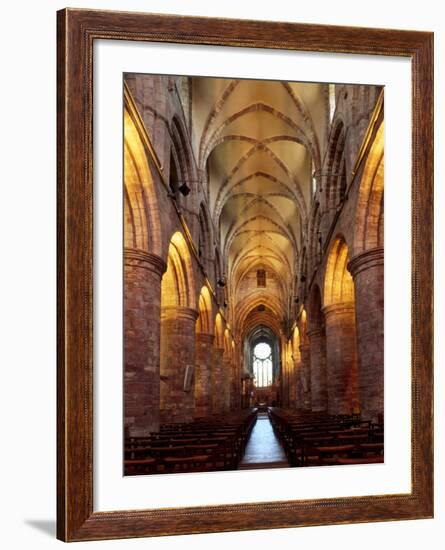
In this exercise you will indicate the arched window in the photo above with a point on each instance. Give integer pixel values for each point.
(262, 365)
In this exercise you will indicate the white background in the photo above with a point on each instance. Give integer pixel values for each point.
(28, 272)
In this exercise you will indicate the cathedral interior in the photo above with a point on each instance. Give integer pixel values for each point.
(253, 274)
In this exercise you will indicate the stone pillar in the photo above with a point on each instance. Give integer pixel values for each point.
(243, 393)
(217, 371)
(203, 374)
(319, 394)
(295, 386)
(236, 392)
(298, 385)
(367, 270)
(142, 305)
(305, 377)
(341, 358)
(291, 380)
(225, 380)
(282, 388)
(177, 363)
(233, 386)
(286, 381)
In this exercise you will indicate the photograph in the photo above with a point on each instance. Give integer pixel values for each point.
(253, 286)
(243, 341)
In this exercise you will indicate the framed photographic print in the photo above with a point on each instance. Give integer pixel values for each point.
(244, 275)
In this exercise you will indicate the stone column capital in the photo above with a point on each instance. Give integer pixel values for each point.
(135, 257)
(205, 337)
(315, 332)
(366, 260)
(338, 309)
(179, 313)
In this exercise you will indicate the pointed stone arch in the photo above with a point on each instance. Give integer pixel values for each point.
(205, 322)
(204, 347)
(370, 205)
(178, 319)
(338, 285)
(141, 209)
(219, 331)
(340, 323)
(178, 283)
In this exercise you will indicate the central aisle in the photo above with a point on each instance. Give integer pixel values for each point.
(263, 449)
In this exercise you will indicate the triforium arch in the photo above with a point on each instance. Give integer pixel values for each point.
(205, 240)
(340, 326)
(182, 173)
(335, 186)
(314, 242)
(218, 278)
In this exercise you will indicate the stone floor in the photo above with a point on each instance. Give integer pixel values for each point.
(263, 449)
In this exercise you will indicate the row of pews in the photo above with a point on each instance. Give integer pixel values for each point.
(317, 439)
(205, 445)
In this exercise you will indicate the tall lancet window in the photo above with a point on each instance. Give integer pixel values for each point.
(262, 365)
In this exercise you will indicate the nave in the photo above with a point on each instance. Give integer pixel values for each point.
(253, 274)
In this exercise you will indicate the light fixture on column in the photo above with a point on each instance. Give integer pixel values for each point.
(184, 189)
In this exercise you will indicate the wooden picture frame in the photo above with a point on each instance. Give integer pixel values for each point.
(77, 31)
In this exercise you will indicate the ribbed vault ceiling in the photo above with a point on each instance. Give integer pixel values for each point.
(258, 142)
